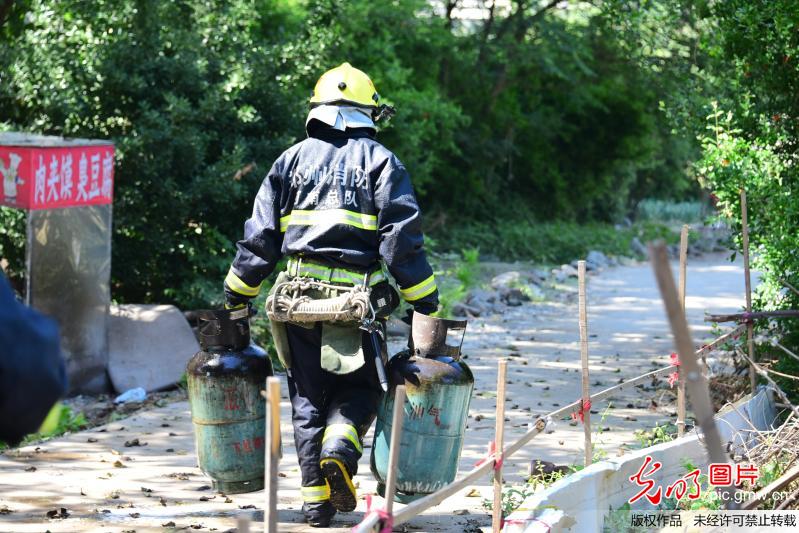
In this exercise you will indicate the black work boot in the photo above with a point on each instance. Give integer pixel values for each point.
(318, 514)
(343, 495)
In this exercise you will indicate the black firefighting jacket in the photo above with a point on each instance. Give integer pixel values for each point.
(344, 200)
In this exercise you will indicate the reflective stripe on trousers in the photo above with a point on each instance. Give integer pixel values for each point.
(318, 493)
(345, 431)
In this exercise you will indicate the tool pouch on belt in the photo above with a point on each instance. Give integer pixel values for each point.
(342, 349)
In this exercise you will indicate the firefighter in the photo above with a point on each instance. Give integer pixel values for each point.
(341, 208)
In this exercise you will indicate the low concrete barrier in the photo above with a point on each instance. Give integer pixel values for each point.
(580, 501)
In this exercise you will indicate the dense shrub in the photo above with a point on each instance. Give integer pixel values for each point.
(540, 105)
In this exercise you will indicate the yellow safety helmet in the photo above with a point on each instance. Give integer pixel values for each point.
(345, 84)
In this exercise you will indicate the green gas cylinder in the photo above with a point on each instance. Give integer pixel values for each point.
(228, 413)
(439, 388)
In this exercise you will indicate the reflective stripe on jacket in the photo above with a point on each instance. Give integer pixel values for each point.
(343, 199)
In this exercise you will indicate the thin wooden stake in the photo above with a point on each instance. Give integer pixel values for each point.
(589, 453)
(499, 435)
(394, 447)
(696, 384)
(243, 524)
(272, 450)
(683, 278)
(750, 332)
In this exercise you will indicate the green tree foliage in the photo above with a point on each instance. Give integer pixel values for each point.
(191, 95)
(750, 141)
(541, 111)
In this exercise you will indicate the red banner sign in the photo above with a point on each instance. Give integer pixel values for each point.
(45, 177)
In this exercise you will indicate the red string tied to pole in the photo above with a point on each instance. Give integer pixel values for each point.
(585, 406)
(674, 359)
(386, 519)
(492, 455)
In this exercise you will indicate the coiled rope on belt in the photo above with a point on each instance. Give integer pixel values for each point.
(290, 303)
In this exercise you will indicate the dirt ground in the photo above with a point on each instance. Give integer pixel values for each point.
(104, 485)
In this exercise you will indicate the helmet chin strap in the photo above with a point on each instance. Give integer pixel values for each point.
(384, 112)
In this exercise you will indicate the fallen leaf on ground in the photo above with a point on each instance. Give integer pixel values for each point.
(118, 464)
(168, 524)
(30, 469)
(474, 493)
(5, 510)
(91, 439)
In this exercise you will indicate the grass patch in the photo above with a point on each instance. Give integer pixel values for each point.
(456, 281)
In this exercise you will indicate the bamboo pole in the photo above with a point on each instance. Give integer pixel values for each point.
(711, 346)
(422, 504)
(750, 332)
(683, 279)
(394, 447)
(272, 450)
(499, 434)
(696, 384)
(586, 397)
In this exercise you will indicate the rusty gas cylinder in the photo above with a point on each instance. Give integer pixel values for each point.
(439, 388)
(228, 413)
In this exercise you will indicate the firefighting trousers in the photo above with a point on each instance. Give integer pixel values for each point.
(331, 413)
